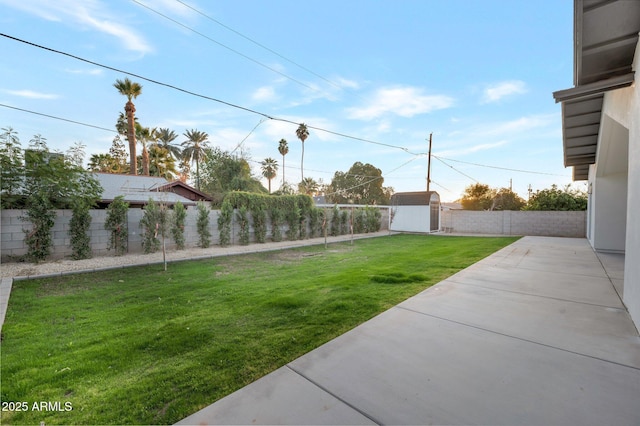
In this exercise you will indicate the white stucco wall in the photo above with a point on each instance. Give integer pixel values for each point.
(411, 219)
(623, 107)
(632, 263)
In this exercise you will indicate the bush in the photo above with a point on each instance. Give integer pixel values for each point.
(178, 219)
(335, 221)
(202, 224)
(79, 231)
(277, 218)
(116, 223)
(224, 223)
(41, 215)
(153, 224)
(243, 221)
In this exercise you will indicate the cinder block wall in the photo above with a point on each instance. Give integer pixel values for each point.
(537, 223)
(12, 235)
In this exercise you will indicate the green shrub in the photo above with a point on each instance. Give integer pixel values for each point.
(224, 223)
(243, 221)
(344, 223)
(202, 225)
(116, 224)
(178, 219)
(152, 224)
(79, 230)
(40, 214)
(277, 219)
(335, 222)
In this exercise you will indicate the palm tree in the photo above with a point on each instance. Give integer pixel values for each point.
(269, 170)
(302, 133)
(144, 137)
(194, 149)
(308, 186)
(162, 163)
(283, 149)
(103, 163)
(131, 90)
(165, 137)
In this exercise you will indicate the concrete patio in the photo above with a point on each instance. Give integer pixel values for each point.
(533, 334)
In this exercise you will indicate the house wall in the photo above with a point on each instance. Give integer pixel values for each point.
(615, 198)
(538, 223)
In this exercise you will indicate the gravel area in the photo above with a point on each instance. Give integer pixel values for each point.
(13, 270)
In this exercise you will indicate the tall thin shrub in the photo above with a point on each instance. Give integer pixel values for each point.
(277, 219)
(152, 227)
(202, 225)
(178, 219)
(40, 214)
(335, 221)
(79, 230)
(116, 224)
(243, 221)
(224, 223)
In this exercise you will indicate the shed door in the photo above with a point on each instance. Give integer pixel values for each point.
(434, 214)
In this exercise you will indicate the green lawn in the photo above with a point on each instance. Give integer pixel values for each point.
(143, 346)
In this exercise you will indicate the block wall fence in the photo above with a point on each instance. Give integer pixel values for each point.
(533, 223)
(12, 243)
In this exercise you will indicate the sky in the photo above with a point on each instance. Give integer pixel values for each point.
(373, 79)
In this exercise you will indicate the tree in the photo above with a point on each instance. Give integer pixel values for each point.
(11, 168)
(566, 199)
(116, 224)
(164, 137)
(118, 153)
(223, 172)
(101, 163)
(178, 219)
(477, 197)
(269, 169)
(161, 163)
(302, 133)
(283, 149)
(506, 199)
(362, 184)
(131, 90)
(144, 135)
(195, 149)
(308, 186)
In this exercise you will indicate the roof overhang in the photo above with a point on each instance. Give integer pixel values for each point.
(605, 39)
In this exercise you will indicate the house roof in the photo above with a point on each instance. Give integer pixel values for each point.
(605, 39)
(138, 189)
(419, 198)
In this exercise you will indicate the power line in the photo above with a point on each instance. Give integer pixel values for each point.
(262, 46)
(223, 45)
(58, 118)
(449, 165)
(497, 167)
(189, 92)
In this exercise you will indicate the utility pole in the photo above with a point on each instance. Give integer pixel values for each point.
(429, 164)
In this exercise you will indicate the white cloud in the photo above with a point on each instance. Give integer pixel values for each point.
(92, 71)
(503, 89)
(32, 94)
(264, 94)
(86, 14)
(403, 101)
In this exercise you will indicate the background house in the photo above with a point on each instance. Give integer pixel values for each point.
(415, 212)
(137, 190)
(601, 130)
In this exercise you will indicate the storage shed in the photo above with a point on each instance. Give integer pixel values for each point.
(415, 212)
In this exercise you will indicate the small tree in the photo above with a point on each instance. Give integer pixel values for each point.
(335, 221)
(203, 225)
(277, 218)
(116, 223)
(224, 223)
(178, 219)
(153, 225)
(555, 198)
(42, 217)
(79, 230)
(243, 221)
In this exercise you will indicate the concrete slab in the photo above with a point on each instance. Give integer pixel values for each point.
(5, 293)
(534, 334)
(404, 367)
(592, 330)
(567, 286)
(282, 397)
